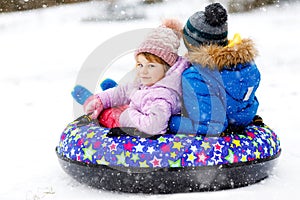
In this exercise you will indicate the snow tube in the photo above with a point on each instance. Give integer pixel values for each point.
(169, 163)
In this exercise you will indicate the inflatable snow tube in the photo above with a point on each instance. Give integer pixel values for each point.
(169, 163)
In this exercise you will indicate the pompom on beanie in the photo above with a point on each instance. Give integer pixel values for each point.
(207, 27)
(163, 41)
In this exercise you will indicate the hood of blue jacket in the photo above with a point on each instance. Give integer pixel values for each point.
(214, 56)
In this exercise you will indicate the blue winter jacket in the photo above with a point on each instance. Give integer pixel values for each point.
(218, 89)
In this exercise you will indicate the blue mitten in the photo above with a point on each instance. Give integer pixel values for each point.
(108, 83)
(80, 94)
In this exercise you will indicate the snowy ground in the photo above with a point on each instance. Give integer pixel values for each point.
(42, 52)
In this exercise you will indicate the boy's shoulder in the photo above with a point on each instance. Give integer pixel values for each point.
(192, 69)
(198, 71)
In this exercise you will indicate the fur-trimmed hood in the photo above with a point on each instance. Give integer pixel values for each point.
(214, 56)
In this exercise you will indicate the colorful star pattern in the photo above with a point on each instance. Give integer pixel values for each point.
(90, 144)
(202, 157)
(89, 152)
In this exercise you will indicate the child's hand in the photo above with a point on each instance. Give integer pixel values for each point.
(93, 105)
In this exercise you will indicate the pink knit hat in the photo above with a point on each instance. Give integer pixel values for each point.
(163, 41)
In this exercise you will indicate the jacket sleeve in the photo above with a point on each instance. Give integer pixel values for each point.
(242, 102)
(153, 122)
(204, 99)
(117, 96)
(196, 102)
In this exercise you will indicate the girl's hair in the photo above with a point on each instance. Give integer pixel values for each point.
(153, 58)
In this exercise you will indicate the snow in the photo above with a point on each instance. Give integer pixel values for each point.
(42, 52)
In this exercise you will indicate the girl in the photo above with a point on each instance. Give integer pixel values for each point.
(155, 93)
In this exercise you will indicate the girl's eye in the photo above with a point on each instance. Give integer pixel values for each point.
(151, 65)
(139, 65)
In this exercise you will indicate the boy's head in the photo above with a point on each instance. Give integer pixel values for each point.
(163, 41)
(208, 27)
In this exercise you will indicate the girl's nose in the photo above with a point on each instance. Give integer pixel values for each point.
(144, 70)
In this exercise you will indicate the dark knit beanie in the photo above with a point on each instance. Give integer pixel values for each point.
(208, 27)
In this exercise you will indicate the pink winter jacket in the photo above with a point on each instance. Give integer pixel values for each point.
(149, 108)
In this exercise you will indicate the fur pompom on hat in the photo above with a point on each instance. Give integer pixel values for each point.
(207, 27)
(163, 41)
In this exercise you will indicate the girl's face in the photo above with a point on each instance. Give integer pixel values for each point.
(149, 72)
